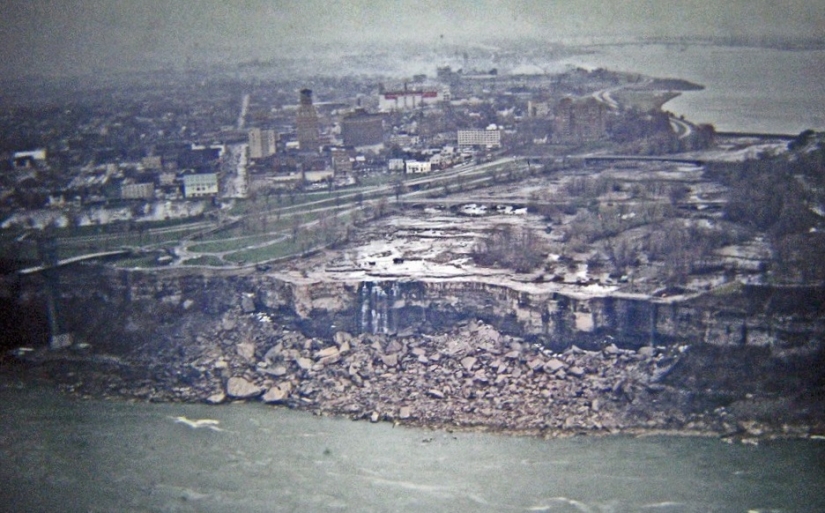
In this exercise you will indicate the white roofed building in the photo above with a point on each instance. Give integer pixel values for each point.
(415, 167)
(204, 184)
(490, 138)
(389, 101)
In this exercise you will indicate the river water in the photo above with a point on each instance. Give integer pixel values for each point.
(65, 454)
(747, 89)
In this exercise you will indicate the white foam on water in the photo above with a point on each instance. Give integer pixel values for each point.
(198, 423)
(664, 504)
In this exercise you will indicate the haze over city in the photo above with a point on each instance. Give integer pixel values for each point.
(73, 37)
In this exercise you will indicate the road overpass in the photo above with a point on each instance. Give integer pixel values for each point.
(74, 260)
(614, 158)
(758, 135)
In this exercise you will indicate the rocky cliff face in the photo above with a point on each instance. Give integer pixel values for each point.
(97, 302)
(711, 362)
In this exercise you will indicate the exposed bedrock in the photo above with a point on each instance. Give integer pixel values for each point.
(101, 302)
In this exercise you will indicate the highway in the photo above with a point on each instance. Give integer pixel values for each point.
(604, 96)
(682, 128)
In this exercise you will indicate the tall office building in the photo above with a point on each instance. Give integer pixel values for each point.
(261, 143)
(307, 123)
(578, 120)
(360, 128)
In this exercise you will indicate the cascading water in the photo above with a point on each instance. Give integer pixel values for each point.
(365, 324)
(379, 310)
(376, 303)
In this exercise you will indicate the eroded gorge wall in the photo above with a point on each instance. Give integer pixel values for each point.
(120, 306)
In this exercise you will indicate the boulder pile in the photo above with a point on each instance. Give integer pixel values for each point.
(470, 377)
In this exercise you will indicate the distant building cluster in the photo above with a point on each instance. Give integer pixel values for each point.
(180, 142)
(539, 109)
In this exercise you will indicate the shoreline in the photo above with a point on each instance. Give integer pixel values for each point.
(656, 59)
(741, 436)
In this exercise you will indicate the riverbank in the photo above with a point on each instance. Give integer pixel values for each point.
(469, 378)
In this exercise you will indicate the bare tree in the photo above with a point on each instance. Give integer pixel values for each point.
(515, 248)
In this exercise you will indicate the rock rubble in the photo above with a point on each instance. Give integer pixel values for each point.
(469, 377)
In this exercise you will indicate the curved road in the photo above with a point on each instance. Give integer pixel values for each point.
(682, 128)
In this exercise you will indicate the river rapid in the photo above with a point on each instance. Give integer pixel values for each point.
(66, 454)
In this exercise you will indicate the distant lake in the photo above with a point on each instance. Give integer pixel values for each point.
(59, 453)
(747, 89)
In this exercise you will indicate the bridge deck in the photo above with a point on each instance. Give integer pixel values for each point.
(72, 260)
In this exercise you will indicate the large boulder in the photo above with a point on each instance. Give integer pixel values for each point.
(342, 337)
(248, 303)
(536, 363)
(438, 394)
(646, 351)
(275, 395)
(240, 388)
(327, 352)
(278, 370)
(246, 350)
(216, 398)
(553, 365)
(467, 362)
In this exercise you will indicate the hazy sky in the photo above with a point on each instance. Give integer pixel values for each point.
(64, 36)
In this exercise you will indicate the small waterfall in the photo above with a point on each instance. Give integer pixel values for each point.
(395, 292)
(376, 304)
(379, 310)
(365, 308)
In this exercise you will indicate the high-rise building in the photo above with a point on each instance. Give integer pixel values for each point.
(579, 120)
(261, 143)
(360, 128)
(307, 123)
